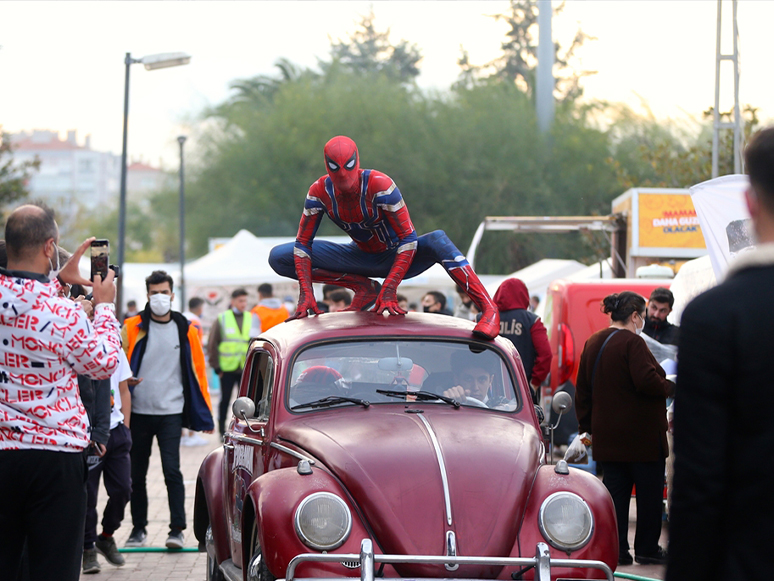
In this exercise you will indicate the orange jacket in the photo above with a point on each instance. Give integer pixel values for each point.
(197, 411)
(269, 316)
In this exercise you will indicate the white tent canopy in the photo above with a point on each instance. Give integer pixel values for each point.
(539, 275)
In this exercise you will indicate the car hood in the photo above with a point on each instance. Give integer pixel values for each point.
(387, 460)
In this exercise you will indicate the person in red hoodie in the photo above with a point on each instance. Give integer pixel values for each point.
(525, 330)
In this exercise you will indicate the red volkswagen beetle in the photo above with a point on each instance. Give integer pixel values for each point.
(393, 447)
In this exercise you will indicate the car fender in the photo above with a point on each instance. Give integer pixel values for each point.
(209, 508)
(603, 545)
(275, 497)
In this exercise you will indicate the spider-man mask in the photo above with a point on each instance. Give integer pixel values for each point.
(342, 163)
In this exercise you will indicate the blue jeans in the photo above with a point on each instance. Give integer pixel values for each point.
(167, 430)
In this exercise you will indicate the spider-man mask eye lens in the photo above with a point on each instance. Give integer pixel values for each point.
(332, 165)
(351, 162)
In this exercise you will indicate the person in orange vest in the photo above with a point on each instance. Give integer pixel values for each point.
(269, 311)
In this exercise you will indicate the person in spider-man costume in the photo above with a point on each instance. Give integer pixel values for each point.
(368, 206)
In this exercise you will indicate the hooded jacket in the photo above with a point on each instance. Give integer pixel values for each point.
(46, 342)
(270, 312)
(524, 329)
(197, 409)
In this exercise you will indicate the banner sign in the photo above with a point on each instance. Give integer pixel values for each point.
(668, 221)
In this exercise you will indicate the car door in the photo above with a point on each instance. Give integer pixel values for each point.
(245, 442)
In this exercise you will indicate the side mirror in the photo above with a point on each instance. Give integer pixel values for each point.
(562, 402)
(243, 408)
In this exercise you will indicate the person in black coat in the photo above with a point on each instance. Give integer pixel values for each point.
(722, 501)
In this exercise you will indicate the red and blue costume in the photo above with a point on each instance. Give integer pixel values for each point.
(368, 206)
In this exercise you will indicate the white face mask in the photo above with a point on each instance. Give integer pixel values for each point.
(160, 304)
(637, 329)
(54, 272)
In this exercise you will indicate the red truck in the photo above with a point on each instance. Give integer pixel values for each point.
(571, 315)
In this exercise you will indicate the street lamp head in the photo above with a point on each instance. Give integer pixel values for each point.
(181, 140)
(164, 60)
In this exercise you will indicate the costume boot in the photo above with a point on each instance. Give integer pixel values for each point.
(489, 325)
(366, 290)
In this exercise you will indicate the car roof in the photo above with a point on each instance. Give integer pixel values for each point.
(292, 334)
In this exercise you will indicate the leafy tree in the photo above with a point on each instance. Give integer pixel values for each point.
(518, 62)
(368, 52)
(648, 153)
(13, 176)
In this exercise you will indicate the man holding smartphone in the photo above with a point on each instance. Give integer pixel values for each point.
(164, 351)
(45, 341)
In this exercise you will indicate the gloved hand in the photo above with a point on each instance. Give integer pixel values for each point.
(306, 303)
(576, 452)
(388, 301)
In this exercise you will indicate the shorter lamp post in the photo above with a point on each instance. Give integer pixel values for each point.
(183, 306)
(151, 63)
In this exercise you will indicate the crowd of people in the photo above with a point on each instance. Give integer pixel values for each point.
(83, 397)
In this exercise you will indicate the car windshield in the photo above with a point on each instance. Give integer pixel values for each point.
(362, 373)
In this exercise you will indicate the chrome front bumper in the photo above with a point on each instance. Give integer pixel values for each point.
(542, 562)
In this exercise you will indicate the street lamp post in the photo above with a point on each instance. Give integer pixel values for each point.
(183, 306)
(151, 62)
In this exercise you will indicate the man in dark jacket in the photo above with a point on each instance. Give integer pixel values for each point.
(656, 325)
(164, 351)
(720, 524)
(525, 330)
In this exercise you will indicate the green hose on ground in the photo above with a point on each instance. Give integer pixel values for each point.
(157, 550)
(633, 577)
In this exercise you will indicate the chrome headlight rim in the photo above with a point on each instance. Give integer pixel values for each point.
(550, 538)
(309, 542)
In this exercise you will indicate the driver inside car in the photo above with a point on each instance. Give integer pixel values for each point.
(472, 380)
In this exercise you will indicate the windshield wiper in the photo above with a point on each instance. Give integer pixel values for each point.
(331, 400)
(420, 395)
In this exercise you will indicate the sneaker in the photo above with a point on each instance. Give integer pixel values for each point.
(106, 546)
(625, 558)
(137, 538)
(90, 563)
(660, 557)
(175, 540)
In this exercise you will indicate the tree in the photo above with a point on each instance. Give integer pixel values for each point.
(518, 62)
(13, 176)
(370, 52)
(649, 153)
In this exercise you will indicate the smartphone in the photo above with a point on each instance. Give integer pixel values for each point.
(100, 253)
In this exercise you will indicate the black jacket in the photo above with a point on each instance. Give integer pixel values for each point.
(722, 501)
(663, 332)
(95, 395)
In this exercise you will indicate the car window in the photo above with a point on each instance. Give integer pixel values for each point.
(389, 371)
(260, 384)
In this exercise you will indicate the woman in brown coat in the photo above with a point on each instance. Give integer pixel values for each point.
(624, 412)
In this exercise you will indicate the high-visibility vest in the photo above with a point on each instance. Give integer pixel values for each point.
(270, 317)
(233, 342)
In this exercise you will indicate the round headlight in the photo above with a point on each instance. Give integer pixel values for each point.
(566, 521)
(323, 521)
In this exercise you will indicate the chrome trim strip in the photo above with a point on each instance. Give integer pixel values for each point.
(245, 439)
(442, 466)
(290, 452)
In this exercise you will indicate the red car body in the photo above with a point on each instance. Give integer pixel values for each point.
(455, 491)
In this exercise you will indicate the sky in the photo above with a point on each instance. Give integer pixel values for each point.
(62, 63)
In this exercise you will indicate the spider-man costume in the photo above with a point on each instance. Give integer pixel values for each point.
(368, 206)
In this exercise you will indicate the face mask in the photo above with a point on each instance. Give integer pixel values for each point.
(160, 304)
(54, 272)
(426, 309)
(638, 330)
